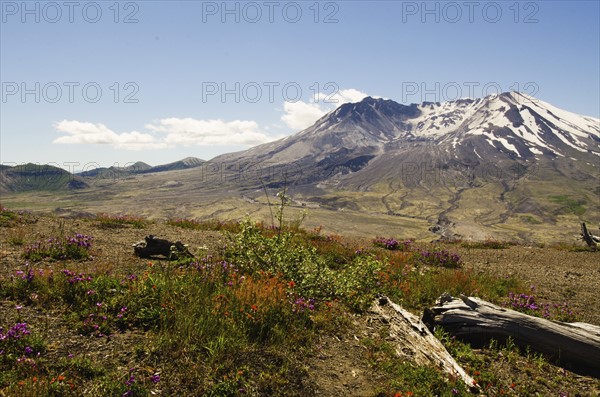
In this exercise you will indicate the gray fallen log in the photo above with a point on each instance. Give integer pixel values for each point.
(414, 341)
(575, 346)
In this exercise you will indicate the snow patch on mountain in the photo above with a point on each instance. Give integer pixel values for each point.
(535, 122)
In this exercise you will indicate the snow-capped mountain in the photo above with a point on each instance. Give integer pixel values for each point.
(512, 122)
(368, 141)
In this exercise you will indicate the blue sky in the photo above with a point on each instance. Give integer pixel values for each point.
(116, 82)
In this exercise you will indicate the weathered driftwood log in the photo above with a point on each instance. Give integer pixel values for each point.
(589, 238)
(414, 341)
(575, 346)
(152, 246)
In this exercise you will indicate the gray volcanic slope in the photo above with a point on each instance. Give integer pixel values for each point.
(362, 144)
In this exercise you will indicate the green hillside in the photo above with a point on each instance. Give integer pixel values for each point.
(36, 177)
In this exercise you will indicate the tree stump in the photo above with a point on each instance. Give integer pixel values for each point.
(589, 238)
(153, 247)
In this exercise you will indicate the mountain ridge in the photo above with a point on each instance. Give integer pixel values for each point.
(140, 167)
(35, 177)
(503, 127)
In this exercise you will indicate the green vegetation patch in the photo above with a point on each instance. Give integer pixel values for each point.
(569, 205)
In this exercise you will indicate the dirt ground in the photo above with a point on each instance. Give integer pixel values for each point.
(340, 365)
(558, 275)
(112, 247)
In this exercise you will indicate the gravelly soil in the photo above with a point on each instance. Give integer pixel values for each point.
(558, 275)
(340, 365)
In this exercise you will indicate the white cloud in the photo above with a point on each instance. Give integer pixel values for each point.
(89, 133)
(341, 96)
(188, 132)
(300, 115)
(174, 131)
